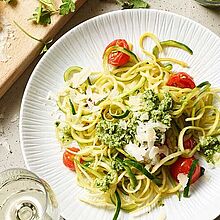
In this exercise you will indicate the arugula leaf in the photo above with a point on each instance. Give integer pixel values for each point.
(41, 15)
(128, 4)
(67, 6)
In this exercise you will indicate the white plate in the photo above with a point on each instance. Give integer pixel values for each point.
(84, 46)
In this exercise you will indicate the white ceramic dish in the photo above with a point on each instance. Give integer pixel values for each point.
(84, 46)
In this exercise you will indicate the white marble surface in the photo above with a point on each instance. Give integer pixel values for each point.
(10, 102)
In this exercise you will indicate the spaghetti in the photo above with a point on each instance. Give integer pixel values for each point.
(114, 112)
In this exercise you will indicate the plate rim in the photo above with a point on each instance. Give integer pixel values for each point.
(69, 32)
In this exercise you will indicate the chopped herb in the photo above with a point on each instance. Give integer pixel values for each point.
(67, 6)
(190, 174)
(129, 4)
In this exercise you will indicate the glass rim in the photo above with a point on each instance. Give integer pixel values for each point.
(35, 177)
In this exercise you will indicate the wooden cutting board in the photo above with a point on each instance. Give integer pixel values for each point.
(19, 50)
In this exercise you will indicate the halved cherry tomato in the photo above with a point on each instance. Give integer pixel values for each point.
(68, 158)
(181, 80)
(189, 143)
(182, 165)
(118, 58)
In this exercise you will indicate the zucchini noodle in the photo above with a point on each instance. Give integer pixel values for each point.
(97, 105)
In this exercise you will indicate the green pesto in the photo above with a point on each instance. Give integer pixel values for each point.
(209, 146)
(113, 135)
(156, 109)
(167, 103)
(151, 100)
(104, 183)
(117, 165)
(64, 132)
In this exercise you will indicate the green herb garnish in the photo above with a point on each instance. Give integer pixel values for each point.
(66, 7)
(129, 4)
(41, 15)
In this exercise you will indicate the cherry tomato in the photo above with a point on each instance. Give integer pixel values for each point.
(181, 80)
(189, 143)
(68, 158)
(118, 58)
(182, 165)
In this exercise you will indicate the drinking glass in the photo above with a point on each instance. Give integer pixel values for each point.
(24, 196)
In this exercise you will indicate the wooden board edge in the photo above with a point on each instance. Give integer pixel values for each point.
(11, 79)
